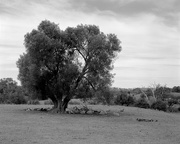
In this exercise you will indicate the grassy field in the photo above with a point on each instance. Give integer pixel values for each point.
(175, 94)
(18, 126)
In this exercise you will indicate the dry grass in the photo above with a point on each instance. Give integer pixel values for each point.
(28, 127)
(175, 94)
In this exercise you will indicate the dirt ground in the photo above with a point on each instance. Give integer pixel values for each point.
(32, 127)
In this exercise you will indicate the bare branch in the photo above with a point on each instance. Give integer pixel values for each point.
(144, 93)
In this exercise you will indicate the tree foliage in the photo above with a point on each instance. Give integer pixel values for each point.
(159, 105)
(157, 91)
(124, 98)
(57, 64)
(10, 92)
(176, 89)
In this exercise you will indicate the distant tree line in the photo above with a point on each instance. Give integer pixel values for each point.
(157, 97)
(176, 89)
(11, 93)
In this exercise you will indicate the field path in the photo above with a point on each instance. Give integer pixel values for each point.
(30, 127)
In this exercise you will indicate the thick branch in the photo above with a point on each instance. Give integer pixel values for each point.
(85, 59)
(84, 71)
(89, 83)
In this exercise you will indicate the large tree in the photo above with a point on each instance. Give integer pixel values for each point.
(58, 64)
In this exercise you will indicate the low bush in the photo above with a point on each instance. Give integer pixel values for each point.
(11, 93)
(75, 102)
(159, 105)
(130, 101)
(120, 99)
(33, 102)
(14, 99)
(171, 102)
(124, 99)
(3, 98)
(142, 103)
(91, 101)
(94, 101)
(173, 109)
(48, 102)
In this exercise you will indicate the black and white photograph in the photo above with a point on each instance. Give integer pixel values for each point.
(89, 71)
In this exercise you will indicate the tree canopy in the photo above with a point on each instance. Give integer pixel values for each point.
(60, 64)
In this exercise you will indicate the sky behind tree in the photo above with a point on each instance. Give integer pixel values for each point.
(148, 29)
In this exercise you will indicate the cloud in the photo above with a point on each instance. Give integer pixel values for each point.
(8, 46)
(167, 10)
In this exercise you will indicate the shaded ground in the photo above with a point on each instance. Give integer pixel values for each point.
(29, 127)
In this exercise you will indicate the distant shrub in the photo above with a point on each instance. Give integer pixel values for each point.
(173, 109)
(11, 93)
(33, 102)
(142, 103)
(15, 99)
(3, 99)
(142, 96)
(48, 102)
(171, 102)
(104, 96)
(91, 101)
(151, 100)
(176, 89)
(75, 102)
(130, 101)
(124, 99)
(159, 105)
(108, 96)
(121, 99)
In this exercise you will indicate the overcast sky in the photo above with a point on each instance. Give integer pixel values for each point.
(148, 29)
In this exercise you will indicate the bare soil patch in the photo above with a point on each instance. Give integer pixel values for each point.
(18, 126)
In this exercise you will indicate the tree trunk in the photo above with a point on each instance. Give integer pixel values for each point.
(59, 105)
(65, 103)
(54, 100)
